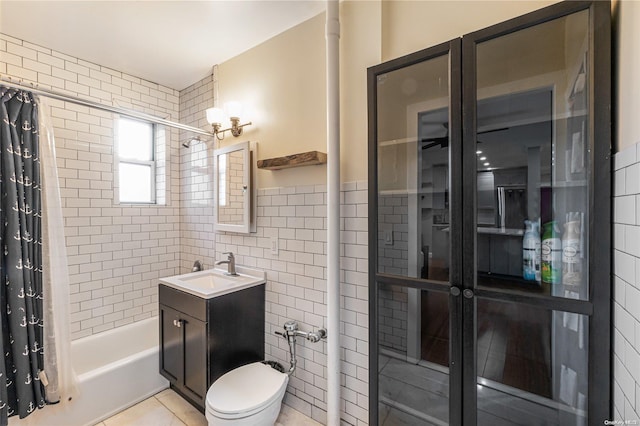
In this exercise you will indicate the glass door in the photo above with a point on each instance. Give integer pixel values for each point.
(531, 161)
(489, 226)
(416, 140)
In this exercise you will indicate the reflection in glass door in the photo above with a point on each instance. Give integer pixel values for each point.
(414, 240)
(531, 148)
(413, 390)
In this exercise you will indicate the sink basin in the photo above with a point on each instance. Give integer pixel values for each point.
(210, 280)
(215, 282)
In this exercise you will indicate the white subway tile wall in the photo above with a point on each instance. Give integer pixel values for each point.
(393, 258)
(197, 237)
(393, 234)
(626, 267)
(296, 289)
(393, 311)
(296, 275)
(116, 252)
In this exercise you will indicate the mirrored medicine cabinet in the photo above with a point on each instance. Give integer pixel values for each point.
(235, 189)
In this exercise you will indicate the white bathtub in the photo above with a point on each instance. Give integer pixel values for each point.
(116, 369)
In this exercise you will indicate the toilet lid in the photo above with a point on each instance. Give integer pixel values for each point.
(245, 389)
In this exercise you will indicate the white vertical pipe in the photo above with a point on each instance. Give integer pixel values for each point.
(333, 212)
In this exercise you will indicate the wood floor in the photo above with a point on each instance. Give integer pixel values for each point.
(514, 342)
(417, 394)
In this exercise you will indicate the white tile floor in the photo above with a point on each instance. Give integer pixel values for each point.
(167, 408)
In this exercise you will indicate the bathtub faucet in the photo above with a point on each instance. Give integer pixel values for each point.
(231, 263)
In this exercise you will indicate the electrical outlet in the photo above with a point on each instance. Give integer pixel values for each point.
(388, 238)
(274, 245)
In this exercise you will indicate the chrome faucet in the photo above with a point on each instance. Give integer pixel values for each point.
(197, 266)
(231, 263)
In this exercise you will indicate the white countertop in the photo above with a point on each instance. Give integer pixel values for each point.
(215, 282)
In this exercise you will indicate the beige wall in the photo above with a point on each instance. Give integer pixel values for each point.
(409, 26)
(627, 86)
(360, 41)
(282, 81)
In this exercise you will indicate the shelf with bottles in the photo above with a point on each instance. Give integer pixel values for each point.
(550, 261)
(564, 266)
(516, 283)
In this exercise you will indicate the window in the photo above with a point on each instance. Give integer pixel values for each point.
(136, 166)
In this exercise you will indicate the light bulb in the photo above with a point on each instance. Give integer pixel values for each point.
(215, 116)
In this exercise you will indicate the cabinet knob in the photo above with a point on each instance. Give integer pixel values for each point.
(177, 323)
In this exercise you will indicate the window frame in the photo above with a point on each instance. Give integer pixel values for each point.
(150, 163)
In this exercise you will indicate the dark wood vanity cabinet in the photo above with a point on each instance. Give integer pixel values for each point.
(201, 339)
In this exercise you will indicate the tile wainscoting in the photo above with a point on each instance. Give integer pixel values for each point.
(626, 281)
(296, 289)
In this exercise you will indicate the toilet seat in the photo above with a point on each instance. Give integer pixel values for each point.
(245, 391)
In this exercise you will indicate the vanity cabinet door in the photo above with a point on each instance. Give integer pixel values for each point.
(183, 352)
(171, 348)
(195, 357)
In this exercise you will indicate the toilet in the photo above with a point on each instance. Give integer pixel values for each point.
(250, 395)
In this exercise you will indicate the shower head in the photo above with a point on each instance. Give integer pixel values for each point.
(191, 141)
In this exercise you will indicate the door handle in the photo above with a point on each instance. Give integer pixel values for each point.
(455, 291)
(467, 293)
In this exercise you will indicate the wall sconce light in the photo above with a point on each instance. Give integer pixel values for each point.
(216, 116)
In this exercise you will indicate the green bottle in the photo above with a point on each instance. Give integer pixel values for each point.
(551, 254)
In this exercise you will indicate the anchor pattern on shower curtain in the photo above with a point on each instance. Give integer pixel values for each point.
(21, 312)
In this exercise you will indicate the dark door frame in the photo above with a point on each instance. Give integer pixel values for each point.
(598, 307)
(463, 374)
(452, 49)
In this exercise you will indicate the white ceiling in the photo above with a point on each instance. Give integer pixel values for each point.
(173, 43)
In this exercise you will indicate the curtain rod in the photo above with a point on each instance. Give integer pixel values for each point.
(91, 104)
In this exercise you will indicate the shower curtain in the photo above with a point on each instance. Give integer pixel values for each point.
(21, 267)
(26, 368)
(62, 383)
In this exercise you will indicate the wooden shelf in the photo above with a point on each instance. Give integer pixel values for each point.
(310, 158)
